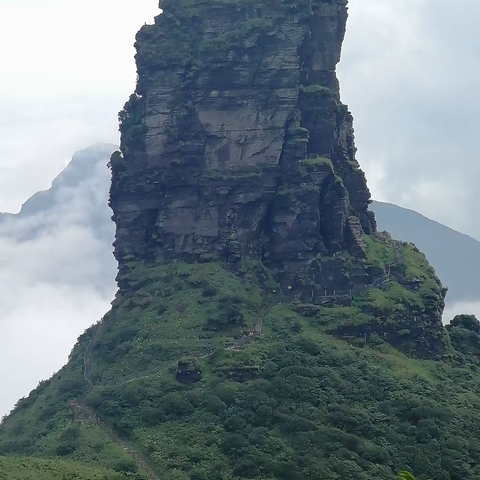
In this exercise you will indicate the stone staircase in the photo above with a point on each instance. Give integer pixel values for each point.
(82, 413)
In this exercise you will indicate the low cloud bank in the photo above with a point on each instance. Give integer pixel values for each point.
(57, 274)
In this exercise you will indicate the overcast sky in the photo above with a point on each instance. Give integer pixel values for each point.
(67, 68)
(410, 74)
(57, 274)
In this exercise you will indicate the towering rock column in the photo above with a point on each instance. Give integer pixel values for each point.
(236, 143)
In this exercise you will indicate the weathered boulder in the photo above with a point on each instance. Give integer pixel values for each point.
(189, 371)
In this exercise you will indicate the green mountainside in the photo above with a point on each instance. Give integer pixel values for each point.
(455, 256)
(263, 328)
(38, 469)
(174, 376)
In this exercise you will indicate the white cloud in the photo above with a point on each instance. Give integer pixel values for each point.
(56, 276)
(437, 197)
(409, 74)
(38, 331)
(67, 69)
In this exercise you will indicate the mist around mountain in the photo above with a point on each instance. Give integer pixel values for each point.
(78, 196)
(57, 272)
(455, 256)
(58, 269)
(78, 200)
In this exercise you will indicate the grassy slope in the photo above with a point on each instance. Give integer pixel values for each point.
(295, 403)
(455, 256)
(39, 469)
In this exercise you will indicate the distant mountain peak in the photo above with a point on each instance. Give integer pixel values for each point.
(82, 167)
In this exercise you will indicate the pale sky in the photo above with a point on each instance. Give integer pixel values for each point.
(67, 68)
(410, 75)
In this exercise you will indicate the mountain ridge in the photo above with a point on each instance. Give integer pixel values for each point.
(87, 170)
(71, 176)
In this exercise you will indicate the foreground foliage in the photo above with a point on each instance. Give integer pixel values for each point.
(38, 469)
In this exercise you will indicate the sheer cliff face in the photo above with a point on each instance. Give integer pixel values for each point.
(236, 143)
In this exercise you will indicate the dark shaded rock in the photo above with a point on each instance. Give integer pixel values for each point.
(236, 147)
(189, 371)
(358, 247)
(236, 142)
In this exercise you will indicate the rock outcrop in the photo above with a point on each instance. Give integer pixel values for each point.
(236, 147)
(236, 142)
(251, 274)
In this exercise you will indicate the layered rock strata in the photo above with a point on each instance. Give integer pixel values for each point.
(236, 142)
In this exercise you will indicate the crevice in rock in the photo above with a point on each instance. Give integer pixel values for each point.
(262, 57)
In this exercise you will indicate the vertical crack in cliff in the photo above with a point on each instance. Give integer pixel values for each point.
(259, 66)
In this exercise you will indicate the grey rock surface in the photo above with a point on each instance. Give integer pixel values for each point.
(236, 142)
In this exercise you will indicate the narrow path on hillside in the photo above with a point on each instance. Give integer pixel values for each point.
(349, 294)
(153, 372)
(261, 320)
(251, 335)
(87, 358)
(84, 413)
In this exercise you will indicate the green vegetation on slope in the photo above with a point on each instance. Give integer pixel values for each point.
(178, 375)
(456, 257)
(38, 469)
(43, 424)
